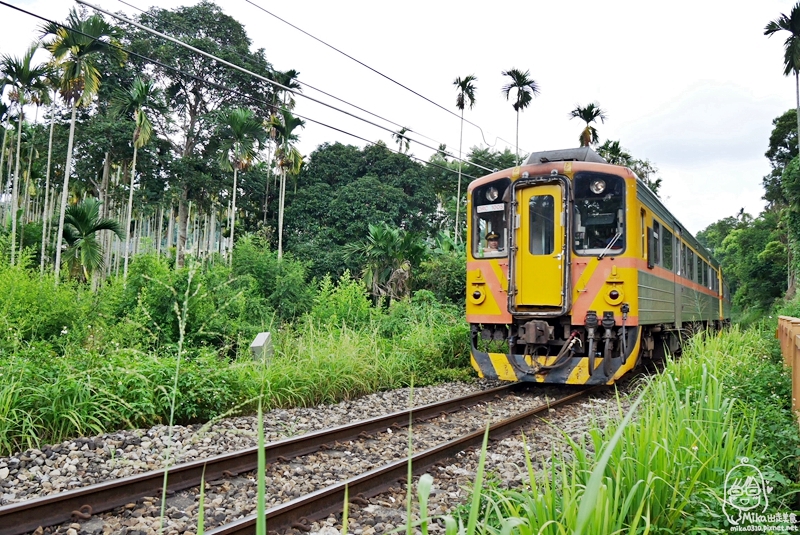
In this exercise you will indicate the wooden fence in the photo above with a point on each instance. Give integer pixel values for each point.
(789, 336)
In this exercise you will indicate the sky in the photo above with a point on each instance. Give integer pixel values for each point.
(692, 86)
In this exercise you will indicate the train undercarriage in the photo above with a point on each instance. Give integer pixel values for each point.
(557, 351)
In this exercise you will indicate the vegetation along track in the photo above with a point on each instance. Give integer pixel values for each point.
(321, 474)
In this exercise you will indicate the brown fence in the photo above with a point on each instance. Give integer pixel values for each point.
(789, 336)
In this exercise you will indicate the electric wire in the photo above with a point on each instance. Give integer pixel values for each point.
(306, 84)
(377, 72)
(256, 75)
(240, 94)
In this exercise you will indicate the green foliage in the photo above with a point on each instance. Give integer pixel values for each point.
(282, 284)
(782, 149)
(222, 313)
(76, 363)
(445, 275)
(33, 313)
(752, 253)
(344, 302)
(346, 190)
(390, 255)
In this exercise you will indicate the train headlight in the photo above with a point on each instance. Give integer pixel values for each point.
(597, 186)
(615, 295)
(492, 194)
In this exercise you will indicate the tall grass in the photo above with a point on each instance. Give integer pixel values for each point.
(92, 375)
(660, 468)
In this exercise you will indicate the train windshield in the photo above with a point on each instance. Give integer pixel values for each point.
(489, 226)
(599, 219)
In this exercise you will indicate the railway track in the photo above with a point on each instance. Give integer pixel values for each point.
(51, 510)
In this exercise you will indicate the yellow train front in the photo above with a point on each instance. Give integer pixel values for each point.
(583, 274)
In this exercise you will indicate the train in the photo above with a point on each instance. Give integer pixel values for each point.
(577, 272)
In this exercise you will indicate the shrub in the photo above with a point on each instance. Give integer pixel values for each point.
(446, 276)
(344, 302)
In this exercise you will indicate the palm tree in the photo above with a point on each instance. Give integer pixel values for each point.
(288, 79)
(614, 153)
(402, 139)
(25, 79)
(791, 53)
(389, 253)
(466, 92)
(75, 47)
(526, 89)
(242, 136)
(84, 253)
(53, 81)
(283, 127)
(141, 95)
(589, 114)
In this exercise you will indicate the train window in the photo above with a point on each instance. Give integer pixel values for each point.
(542, 228)
(489, 228)
(643, 226)
(690, 265)
(599, 217)
(666, 249)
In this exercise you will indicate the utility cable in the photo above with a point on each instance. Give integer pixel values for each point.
(250, 73)
(240, 94)
(375, 71)
(476, 162)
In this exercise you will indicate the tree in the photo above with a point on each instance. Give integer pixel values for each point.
(288, 79)
(84, 253)
(466, 92)
(136, 100)
(615, 154)
(345, 189)
(289, 159)
(526, 89)
(196, 100)
(75, 47)
(588, 114)
(402, 140)
(782, 148)
(242, 136)
(390, 254)
(24, 78)
(791, 52)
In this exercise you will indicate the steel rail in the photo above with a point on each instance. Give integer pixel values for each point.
(321, 503)
(24, 517)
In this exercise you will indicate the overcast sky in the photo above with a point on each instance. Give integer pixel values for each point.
(693, 86)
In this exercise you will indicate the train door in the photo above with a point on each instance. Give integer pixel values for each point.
(680, 268)
(539, 255)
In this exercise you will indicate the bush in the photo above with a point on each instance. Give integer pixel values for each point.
(445, 276)
(283, 283)
(344, 303)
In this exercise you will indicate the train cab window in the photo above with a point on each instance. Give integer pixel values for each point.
(599, 216)
(489, 225)
(542, 225)
(666, 250)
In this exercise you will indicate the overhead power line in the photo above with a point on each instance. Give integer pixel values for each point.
(250, 73)
(243, 95)
(376, 71)
(309, 86)
(475, 162)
